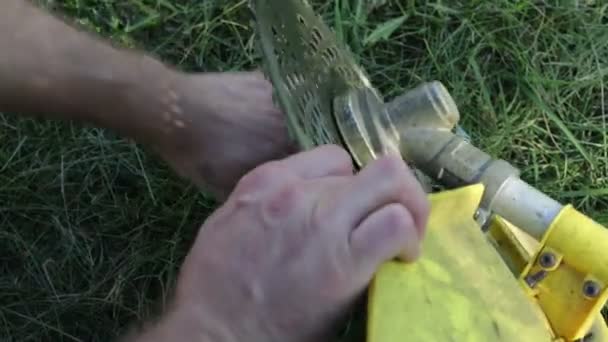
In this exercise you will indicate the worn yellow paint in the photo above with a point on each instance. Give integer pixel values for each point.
(516, 248)
(460, 289)
(580, 245)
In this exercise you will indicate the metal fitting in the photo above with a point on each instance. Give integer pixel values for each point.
(591, 289)
(547, 260)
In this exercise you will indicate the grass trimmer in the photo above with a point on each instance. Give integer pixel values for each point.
(502, 261)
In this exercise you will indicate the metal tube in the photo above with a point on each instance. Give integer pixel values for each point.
(427, 106)
(525, 207)
(454, 162)
(423, 120)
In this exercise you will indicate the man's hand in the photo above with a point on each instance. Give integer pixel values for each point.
(212, 128)
(293, 247)
(221, 126)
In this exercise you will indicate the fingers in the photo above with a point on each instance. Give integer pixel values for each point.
(264, 179)
(324, 161)
(383, 182)
(384, 235)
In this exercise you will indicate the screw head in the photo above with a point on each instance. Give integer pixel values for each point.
(547, 260)
(591, 289)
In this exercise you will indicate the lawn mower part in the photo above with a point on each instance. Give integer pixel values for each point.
(464, 271)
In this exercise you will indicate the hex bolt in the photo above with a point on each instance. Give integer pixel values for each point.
(533, 279)
(547, 260)
(591, 289)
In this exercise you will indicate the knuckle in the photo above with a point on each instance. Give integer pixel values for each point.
(321, 213)
(282, 202)
(396, 215)
(260, 177)
(393, 168)
(396, 177)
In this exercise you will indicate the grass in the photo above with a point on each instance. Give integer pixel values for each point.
(94, 228)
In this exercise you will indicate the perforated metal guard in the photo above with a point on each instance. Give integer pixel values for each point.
(308, 67)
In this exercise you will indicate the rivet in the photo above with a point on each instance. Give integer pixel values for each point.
(591, 289)
(533, 279)
(547, 260)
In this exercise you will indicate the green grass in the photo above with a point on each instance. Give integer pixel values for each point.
(93, 228)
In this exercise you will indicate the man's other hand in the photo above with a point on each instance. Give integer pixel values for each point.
(294, 246)
(221, 126)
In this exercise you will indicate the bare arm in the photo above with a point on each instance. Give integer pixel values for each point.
(49, 69)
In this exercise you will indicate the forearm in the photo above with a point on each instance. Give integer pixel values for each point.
(50, 69)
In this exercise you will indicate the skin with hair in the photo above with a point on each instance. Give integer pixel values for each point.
(49, 69)
(299, 236)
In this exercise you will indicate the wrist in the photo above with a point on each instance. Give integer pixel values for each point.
(143, 105)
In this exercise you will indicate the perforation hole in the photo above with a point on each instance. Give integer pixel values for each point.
(294, 80)
(332, 53)
(325, 136)
(305, 99)
(345, 72)
(308, 96)
(299, 79)
(317, 114)
(329, 55)
(313, 47)
(316, 35)
(302, 106)
(291, 83)
(302, 21)
(326, 60)
(300, 121)
(277, 37)
(315, 42)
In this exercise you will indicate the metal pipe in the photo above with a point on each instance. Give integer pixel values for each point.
(425, 118)
(525, 207)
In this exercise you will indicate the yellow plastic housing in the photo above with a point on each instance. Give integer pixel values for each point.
(459, 290)
(518, 250)
(580, 248)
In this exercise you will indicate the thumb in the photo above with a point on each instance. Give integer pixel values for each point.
(385, 234)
